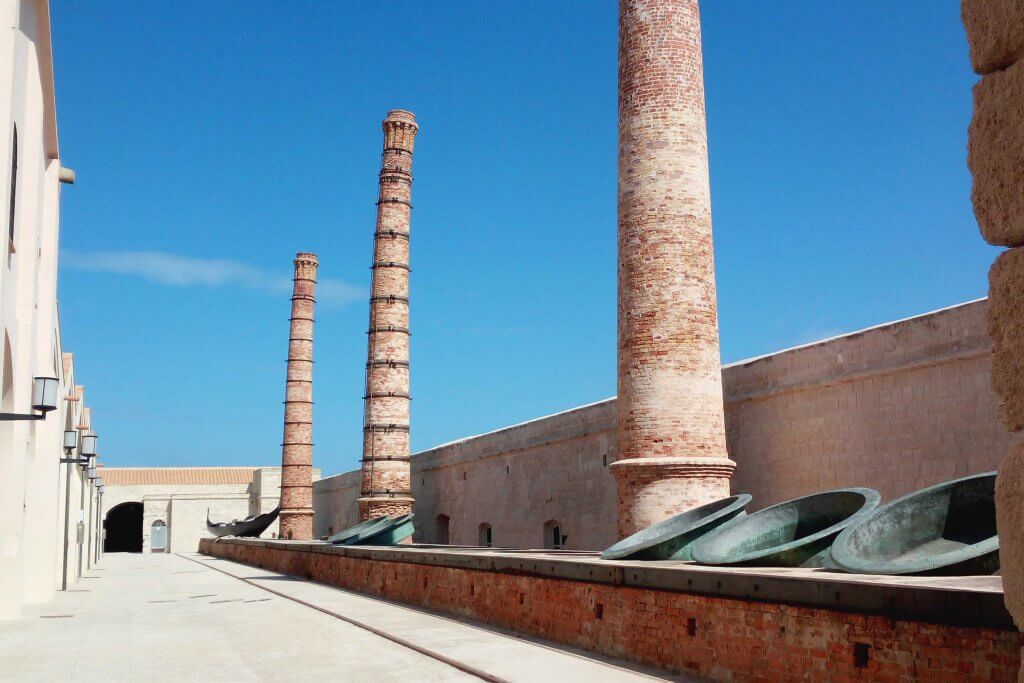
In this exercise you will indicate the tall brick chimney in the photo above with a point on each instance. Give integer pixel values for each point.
(386, 478)
(296, 519)
(671, 427)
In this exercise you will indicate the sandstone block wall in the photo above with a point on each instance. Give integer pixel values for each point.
(995, 32)
(895, 407)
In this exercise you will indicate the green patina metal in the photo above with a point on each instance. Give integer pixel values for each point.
(354, 531)
(673, 538)
(796, 533)
(380, 523)
(948, 529)
(392, 532)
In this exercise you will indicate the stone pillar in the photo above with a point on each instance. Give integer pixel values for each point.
(671, 425)
(386, 479)
(995, 155)
(296, 521)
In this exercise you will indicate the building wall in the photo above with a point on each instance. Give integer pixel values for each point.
(335, 503)
(182, 497)
(29, 328)
(895, 407)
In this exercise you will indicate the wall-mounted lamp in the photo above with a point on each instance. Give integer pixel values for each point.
(88, 457)
(44, 399)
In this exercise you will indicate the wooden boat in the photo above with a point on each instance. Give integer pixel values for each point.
(947, 529)
(673, 538)
(353, 531)
(796, 533)
(250, 527)
(391, 532)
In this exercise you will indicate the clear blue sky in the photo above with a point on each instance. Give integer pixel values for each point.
(214, 140)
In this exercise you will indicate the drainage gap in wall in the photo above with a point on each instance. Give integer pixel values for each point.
(207, 595)
(155, 601)
(55, 616)
(861, 656)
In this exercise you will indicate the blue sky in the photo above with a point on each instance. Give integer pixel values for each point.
(214, 140)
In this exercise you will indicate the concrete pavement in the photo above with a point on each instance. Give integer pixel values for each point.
(162, 617)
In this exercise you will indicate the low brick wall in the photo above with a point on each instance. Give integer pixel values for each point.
(590, 605)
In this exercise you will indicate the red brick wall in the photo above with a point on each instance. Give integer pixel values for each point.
(721, 638)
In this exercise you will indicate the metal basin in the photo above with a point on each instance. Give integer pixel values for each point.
(946, 529)
(673, 538)
(392, 532)
(796, 533)
(379, 524)
(353, 531)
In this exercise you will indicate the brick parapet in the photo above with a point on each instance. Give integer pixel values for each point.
(296, 516)
(385, 480)
(723, 624)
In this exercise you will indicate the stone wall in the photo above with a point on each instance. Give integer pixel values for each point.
(895, 407)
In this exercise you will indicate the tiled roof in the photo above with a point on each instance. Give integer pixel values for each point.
(142, 476)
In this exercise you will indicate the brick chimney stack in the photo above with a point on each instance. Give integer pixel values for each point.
(296, 521)
(671, 427)
(386, 478)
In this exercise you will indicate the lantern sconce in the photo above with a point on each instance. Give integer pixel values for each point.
(44, 399)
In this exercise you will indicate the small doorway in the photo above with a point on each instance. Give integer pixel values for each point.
(441, 529)
(554, 539)
(123, 527)
(158, 536)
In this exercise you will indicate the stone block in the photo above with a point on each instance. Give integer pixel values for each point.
(995, 32)
(995, 155)
(1006, 328)
(1010, 524)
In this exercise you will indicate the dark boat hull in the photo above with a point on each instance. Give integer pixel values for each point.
(247, 528)
(947, 529)
(796, 533)
(673, 538)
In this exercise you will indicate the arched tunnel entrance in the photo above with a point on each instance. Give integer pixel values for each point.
(123, 527)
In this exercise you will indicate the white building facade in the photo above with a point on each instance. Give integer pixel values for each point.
(32, 562)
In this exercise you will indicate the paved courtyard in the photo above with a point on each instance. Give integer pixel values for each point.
(169, 617)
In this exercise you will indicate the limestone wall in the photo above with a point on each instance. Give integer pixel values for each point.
(895, 407)
(335, 503)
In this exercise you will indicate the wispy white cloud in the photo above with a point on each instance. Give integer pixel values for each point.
(187, 271)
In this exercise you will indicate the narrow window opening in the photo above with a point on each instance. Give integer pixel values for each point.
(861, 656)
(485, 537)
(13, 194)
(691, 627)
(599, 611)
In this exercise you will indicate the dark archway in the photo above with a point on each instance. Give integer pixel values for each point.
(123, 527)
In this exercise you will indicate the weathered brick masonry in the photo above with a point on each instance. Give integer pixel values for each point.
(722, 638)
(670, 429)
(385, 487)
(296, 519)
